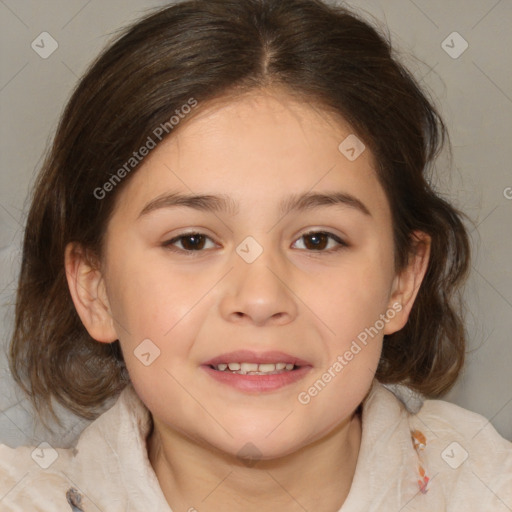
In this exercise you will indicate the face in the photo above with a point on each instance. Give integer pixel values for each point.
(252, 274)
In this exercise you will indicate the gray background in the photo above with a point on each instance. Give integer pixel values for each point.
(473, 92)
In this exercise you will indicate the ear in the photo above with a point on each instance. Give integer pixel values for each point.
(407, 283)
(87, 288)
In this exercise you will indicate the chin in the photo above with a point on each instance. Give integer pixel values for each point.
(251, 449)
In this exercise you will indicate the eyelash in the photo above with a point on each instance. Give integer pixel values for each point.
(341, 244)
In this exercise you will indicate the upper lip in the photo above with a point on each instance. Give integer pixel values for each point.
(247, 356)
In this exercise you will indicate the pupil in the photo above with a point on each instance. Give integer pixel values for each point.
(320, 237)
(196, 242)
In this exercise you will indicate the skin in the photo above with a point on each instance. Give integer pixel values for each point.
(257, 149)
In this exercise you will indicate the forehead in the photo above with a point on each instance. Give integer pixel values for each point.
(256, 148)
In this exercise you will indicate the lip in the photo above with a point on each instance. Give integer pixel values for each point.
(247, 356)
(257, 383)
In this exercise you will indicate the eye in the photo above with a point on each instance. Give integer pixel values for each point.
(319, 240)
(190, 242)
(316, 241)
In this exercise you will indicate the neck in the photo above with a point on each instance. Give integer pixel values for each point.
(198, 477)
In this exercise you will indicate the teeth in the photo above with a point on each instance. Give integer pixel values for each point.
(249, 367)
(268, 367)
(254, 368)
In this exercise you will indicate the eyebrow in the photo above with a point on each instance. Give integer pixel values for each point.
(222, 203)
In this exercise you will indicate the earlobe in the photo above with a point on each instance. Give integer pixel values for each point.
(407, 284)
(87, 287)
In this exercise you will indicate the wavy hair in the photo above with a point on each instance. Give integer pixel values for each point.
(207, 50)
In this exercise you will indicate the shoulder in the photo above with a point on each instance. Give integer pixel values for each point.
(44, 477)
(33, 478)
(108, 468)
(447, 422)
(464, 455)
(423, 455)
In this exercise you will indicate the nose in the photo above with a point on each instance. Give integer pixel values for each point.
(259, 293)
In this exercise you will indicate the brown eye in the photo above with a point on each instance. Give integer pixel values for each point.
(193, 242)
(190, 242)
(319, 241)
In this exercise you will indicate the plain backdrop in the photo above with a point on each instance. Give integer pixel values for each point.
(469, 74)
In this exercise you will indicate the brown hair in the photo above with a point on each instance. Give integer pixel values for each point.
(206, 50)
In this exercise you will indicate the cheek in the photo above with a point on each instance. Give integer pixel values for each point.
(163, 304)
(332, 395)
(147, 297)
(352, 308)
(354, 298)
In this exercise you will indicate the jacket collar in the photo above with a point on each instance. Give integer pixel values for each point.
(119, 436)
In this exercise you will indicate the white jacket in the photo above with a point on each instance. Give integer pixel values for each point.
(444, 458)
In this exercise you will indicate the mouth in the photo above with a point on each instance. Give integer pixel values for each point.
(251, 371)
(254, 368)
(246, 361)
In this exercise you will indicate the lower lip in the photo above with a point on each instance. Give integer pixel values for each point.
(258, 383)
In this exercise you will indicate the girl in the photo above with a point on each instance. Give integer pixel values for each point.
(234, 237)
